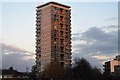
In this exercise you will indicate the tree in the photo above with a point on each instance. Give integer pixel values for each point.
(68, 73)
(53, 70)
(97, 75)
(82, 70)
(32, 75)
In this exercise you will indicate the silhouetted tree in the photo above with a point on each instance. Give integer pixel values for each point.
(83, 70)
(53, 70)
(97, 75)
(108, 77)
(32, 75)
(68, 74)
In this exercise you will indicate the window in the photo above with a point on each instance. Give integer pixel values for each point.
(61, 25)
(55, 35)
(61, 10)
(61, 41)
(55, 10)
(62, 64)
(54, 39)
(61, 49)
(62, 57)
(54, 47)
(66, 11)
(61, 18)
(55, 27)
(39, 55)
(55, 17)
(39, 63)
(61, 33)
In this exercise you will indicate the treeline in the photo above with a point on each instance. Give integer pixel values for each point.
(81, 70)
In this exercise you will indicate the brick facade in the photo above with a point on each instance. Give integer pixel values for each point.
(53, 35)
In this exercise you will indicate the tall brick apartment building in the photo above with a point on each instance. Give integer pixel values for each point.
(53, 35)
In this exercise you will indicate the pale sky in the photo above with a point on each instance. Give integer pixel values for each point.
(18, 29)
(19, 20)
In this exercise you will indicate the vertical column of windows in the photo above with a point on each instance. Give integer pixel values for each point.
(38, 30)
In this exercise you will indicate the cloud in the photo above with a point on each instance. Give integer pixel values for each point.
(110, 28)
(112, 19)
(95, 44)
(102, 57)
(16, 57)
(97, 34)
(9, 48)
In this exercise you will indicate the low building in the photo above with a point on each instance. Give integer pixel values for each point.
(117, 70)
(112, 67)
(12, 74)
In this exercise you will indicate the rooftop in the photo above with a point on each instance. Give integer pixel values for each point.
(10, 71)
(53, 3)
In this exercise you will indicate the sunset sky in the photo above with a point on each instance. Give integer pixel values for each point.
(94, 32)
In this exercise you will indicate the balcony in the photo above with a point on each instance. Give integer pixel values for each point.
(37, 35)
(38, 20)
(38, 32)
(61, 27)
(62, 19)
(38, 28)
(38, 24)
(38, 13)
(62, 45)
(61, 11)
(38, 17)
(38, 49)
(38, 39)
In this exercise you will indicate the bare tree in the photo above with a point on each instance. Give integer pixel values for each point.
(53, 70)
